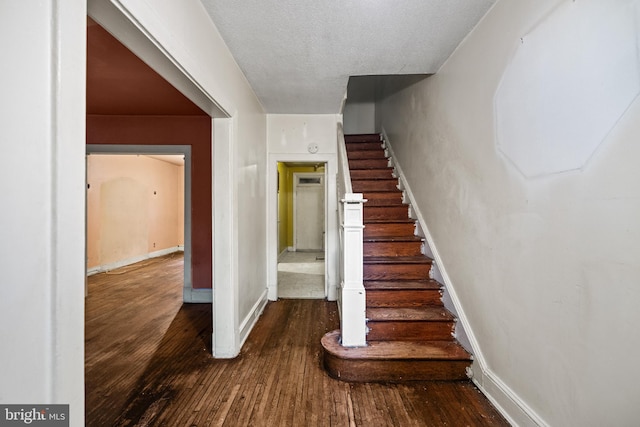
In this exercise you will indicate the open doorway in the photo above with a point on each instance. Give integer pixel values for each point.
(301, 230)
(136, 210)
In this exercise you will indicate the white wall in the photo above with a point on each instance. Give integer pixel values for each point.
(187, 35)
(360, 107)
(546, 268)
(292, 133)
(359, 117)
(42, 126)
(289, 138)
(42, 220)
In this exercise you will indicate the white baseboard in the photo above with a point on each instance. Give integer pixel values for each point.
(506, 401)
(510, 405)
(197, 296)
(249, 322)
(123, 263)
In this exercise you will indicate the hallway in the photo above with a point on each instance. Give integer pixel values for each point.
(148, 362)
(301, 275)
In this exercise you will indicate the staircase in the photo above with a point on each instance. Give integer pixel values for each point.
(410, 332)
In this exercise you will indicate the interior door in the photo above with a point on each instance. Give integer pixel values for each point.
(309, 212)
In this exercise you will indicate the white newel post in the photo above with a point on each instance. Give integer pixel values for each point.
(353, 321)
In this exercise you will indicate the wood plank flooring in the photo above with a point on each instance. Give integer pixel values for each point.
(148, 363)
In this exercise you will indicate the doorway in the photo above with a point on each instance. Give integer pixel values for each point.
(301, 269)
(180, 155)
(308, 208)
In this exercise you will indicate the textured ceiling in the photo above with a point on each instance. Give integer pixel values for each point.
(299, 54)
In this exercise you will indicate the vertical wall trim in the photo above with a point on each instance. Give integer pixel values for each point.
(67, 199)
(225, 340)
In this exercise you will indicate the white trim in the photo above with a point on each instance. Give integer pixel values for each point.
(510, 405)
(330, 219)
(254, 314)
(161, 149)
(225, 337)
(133, 260)
(506, 401)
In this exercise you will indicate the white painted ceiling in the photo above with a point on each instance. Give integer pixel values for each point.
(298, 54)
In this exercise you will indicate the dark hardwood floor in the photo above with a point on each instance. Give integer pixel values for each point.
(148, 363)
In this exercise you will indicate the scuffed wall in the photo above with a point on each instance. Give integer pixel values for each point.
(546, 268)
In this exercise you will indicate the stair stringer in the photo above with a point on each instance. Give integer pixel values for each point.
(509, 404)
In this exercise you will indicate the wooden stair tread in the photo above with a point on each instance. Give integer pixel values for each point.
(393, 221)
(362, 137)
(389, 205)
(383, 202)
(380, 194)
(396, 350)
(397, 260)
(377, 179)
(369, 174)
(409, 314)
(412, 238)
(390, 285)
(364, 146)
(365, 164)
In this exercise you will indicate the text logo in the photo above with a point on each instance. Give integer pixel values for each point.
(34, 415)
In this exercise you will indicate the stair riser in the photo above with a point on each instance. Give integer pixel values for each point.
(392, 248)
(385, 212)
(373, 137)
(375, 185)
(389, 229)
(386, 198)
(392, 370)
(403, 298)
(368, 164)
(396, 271)
(360, 174)
(410, 331)
(359, 146)
(366, 154)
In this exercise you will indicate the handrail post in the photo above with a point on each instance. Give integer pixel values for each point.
(353, 319)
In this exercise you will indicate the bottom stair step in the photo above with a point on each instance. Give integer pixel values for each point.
(395, 361)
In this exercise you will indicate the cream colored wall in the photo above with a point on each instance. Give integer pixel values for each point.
(134, 206)
(546, 269)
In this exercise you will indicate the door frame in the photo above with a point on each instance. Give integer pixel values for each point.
(330, 219)
(121, 149)
(121, 22)
(296, 176)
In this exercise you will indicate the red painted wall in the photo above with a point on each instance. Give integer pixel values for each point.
(172, 130)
